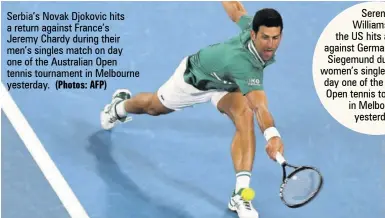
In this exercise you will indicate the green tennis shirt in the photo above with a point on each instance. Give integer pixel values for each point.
(230, 65)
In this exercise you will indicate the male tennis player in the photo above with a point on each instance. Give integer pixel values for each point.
(230, 75)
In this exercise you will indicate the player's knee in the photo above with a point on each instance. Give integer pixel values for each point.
(154, 111)
(156, 108)
(243, 118)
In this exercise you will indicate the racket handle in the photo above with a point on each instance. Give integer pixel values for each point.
(280, 159)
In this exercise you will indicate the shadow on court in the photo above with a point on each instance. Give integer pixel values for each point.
(126, 199)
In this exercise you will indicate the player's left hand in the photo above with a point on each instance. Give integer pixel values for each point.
(273, 146)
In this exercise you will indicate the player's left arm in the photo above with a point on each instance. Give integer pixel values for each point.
(234, 10)
(258, 103)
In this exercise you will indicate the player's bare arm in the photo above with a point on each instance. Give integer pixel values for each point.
(258, 103)
(234, 9)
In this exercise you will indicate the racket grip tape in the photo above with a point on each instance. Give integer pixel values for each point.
(280, 159)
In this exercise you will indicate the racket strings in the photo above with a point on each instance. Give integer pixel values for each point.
(301, 186)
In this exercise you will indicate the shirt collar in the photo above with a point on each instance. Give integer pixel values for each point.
(252, 49)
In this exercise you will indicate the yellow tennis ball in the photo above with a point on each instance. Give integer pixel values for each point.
(248, 194)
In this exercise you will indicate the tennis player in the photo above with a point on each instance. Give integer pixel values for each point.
(230, 75)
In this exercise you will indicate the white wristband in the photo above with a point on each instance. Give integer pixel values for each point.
(271, 132)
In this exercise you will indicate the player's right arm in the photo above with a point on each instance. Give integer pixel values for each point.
(258, 103)
(251, 86)
(234, 10)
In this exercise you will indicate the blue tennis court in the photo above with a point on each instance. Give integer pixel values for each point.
(179, 165)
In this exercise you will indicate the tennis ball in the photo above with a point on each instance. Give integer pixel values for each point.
(248, 194)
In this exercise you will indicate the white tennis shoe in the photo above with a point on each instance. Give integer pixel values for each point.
(109, 117)
(243, 208)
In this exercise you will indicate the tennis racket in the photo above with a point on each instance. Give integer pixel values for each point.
(300, 186)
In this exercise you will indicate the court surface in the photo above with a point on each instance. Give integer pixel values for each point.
(179, 165)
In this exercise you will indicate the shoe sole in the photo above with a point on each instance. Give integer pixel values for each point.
(101, 118)
(233, 209)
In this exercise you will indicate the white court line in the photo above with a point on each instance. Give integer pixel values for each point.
(40, 155)
(1, 148)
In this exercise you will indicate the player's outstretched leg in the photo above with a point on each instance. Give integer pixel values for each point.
(242, 150)
(123, 105)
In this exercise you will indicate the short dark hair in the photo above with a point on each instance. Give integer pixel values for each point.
(267, 17)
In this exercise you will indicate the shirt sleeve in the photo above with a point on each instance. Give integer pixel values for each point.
(245, 22)
(247, 77)
(247, 85)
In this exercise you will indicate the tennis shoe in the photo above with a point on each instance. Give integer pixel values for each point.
(109, 117)
(243, 208)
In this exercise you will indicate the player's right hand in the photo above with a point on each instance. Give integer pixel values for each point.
(273, 146)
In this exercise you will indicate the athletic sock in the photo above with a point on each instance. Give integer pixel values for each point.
(120, 109)
(243, 180)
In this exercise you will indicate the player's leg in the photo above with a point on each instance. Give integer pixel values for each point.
(123, 106)
(142, 103)
(235, 106)
(175, 94)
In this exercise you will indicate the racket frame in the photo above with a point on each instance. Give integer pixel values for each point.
(281, 160)
(285, 179)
